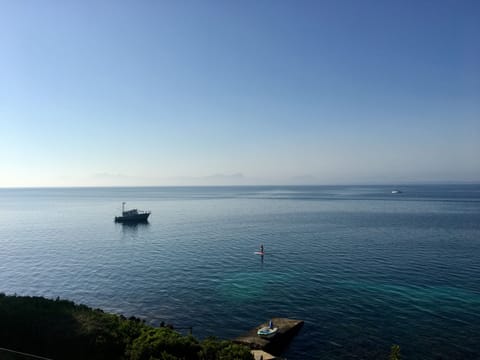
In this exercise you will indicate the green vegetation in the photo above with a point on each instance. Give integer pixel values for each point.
(60, 329)
(394, 353)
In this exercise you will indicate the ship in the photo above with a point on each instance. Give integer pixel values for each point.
(132, 216)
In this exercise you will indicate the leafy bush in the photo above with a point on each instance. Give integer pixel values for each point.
(213, 349)
(60, 329)
(155, 342)
(394, 353)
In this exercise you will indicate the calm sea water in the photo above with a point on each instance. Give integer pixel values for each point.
(364, 268)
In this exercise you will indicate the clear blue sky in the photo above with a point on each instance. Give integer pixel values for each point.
(238, 92)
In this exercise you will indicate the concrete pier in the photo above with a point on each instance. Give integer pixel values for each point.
(262, 355)
(287, 328)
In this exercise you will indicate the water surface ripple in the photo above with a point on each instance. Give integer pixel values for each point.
(363, 267)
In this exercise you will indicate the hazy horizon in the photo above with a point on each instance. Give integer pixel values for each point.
(123, 93)
(393, 186)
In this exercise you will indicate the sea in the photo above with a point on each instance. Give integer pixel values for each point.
(364, 268)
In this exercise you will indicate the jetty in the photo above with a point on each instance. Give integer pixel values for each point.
(287, 329)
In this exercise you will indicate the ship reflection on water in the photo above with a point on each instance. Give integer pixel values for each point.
(135, 226)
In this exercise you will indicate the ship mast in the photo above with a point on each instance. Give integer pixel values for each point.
(123, 207)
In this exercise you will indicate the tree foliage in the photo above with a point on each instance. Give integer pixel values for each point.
(394, 352)
(60, 329)
(213, 349)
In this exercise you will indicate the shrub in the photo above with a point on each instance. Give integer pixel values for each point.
(394, 353)
(157, 343)
(60, 329)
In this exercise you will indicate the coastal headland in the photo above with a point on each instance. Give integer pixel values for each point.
(60, 329)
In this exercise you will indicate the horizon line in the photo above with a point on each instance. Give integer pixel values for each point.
(411, 183)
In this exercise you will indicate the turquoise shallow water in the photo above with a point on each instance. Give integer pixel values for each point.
(363, 268)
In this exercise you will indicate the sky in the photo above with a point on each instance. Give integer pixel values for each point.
(140, 93)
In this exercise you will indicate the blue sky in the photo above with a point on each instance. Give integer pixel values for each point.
(239, 92)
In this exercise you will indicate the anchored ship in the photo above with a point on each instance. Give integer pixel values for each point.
(132, 216)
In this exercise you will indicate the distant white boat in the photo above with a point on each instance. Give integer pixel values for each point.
(396, 192)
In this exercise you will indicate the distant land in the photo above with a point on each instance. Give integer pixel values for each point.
(236, 179)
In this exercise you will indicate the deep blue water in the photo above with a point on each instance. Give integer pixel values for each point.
(364, 268)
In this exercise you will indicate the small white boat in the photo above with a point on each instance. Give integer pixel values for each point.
(267, 332)
(396, 192)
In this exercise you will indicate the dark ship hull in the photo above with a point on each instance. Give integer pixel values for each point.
(132, 218)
